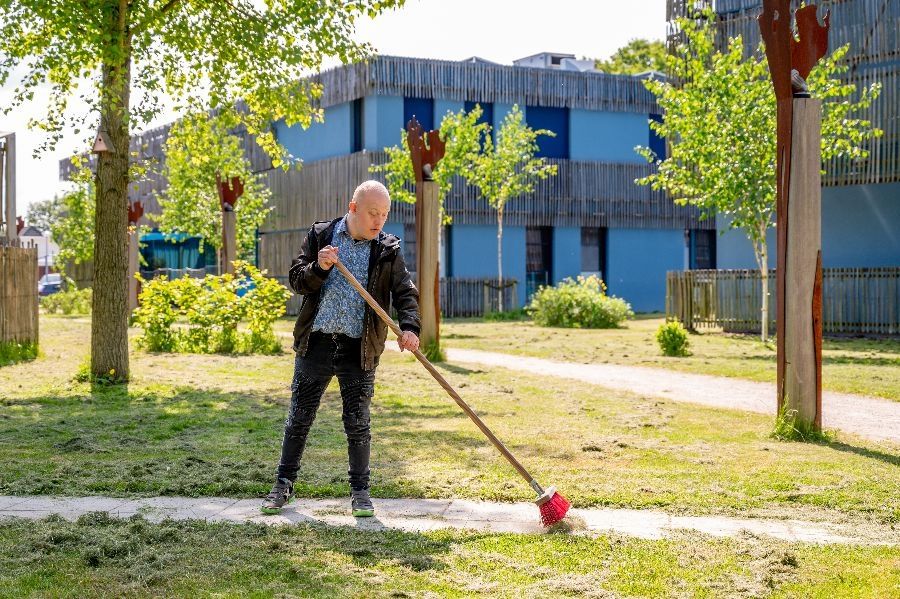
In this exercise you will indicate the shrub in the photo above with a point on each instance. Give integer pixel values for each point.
(578, 303)
(70, 301)
(12, 352)
(212, 309)
(672, 338)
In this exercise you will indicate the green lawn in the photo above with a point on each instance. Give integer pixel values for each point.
(864, 366)
(212, 425)
(98, 556)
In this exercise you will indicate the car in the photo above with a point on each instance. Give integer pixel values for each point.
(50, 283)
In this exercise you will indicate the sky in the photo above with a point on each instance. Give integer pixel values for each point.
(497, 30)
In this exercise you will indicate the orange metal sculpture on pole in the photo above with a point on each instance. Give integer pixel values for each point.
(797, 170)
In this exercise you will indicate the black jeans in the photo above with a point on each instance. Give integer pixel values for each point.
(328, 355)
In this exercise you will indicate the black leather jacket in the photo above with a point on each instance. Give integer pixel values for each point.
(389, 282)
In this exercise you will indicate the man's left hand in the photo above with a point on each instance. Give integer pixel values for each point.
(409, 341)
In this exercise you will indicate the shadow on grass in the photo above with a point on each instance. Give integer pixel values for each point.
(888, 458)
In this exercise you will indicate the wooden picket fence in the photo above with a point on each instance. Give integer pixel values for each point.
(858, 301)
(460, 297)
(18, 293)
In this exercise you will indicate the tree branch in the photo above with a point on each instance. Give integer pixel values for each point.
(140, 27)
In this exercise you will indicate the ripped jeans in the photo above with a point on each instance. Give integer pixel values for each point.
(328, 355)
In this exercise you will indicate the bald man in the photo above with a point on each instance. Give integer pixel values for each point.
(338, 334)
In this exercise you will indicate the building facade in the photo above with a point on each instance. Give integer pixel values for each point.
(860, 199)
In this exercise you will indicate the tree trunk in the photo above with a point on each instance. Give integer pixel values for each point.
(109, 320)
(762, 260)
(500, 260)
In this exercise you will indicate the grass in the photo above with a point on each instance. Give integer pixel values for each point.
(862, 366)
(12, 352)
(133, 558)
(211, 425)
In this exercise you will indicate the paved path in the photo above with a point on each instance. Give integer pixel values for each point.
(869, 417)
(420, 515)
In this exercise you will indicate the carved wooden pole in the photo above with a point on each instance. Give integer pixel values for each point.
(228, 197)
(798, 274)
(135, 212)
(428, 224)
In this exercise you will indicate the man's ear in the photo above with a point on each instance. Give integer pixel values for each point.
(351, 207)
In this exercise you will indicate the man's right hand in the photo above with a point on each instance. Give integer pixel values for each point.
(328, 256)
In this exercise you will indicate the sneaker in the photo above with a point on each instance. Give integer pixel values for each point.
(361, 503)
(281, 494)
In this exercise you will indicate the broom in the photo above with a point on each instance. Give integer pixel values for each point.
(552, 505)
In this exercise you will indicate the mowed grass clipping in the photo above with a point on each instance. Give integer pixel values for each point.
(100, 556)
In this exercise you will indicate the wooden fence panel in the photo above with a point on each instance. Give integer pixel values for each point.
(18, 293)
(857, 301)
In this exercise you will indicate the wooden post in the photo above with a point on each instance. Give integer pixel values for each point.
(228, 197)
(803, 269)
(135, 212)
(9, 173)
(427, 264)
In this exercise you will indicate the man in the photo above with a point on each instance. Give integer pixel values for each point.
(338, 334)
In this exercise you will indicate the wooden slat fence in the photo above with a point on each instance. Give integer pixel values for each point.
(18, 293)
(459, 297)
(860, 301)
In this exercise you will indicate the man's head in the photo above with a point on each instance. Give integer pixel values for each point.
(369, 210)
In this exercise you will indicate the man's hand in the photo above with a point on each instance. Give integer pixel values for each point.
(409, 341)
(328, 256)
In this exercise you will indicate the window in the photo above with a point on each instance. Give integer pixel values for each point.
(356, 125)
(422, 109)
(538, 258)
(409, 246)
(553, 119)
(593, 251)
(703, 249)
(656, 143)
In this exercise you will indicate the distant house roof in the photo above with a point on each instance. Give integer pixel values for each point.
(478, 60)
(31, 231)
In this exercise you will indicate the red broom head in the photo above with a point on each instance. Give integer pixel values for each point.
(554, 509)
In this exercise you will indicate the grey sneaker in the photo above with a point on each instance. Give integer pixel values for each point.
(281, 494)
(361, 503)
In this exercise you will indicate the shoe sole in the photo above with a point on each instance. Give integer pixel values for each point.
(363, 513)
(274, 510)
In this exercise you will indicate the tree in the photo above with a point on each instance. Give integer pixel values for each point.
(720, 126)
(203, 55)
(44, 213)
(507, 170)
(198, 148)
(637, 56)
(462, 134)
(73, 229)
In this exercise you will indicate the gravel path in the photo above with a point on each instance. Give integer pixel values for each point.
(869, 417)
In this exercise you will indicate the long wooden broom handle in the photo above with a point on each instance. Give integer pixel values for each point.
(437, 375)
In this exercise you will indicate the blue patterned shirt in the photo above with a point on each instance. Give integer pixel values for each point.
(341, 308)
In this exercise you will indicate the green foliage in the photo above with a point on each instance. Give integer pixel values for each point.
(85, 375)
(461, 133)
(720, 126)
(69, 301)
(12, 352)
(43, 213)
(578, 303)
(198, 149)
(790, 427)
(211, 311)
(672, 338)
(73, 228)
(434, 352)
(637, 56)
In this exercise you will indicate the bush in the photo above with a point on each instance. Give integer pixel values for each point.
(672, 338)
(212, 310)
(578, 303)
(70, 301)
(12, 352)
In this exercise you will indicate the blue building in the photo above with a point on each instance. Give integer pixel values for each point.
(591, 218)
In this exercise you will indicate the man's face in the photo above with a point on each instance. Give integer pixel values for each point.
(371, 210)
